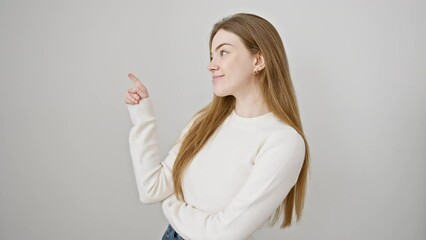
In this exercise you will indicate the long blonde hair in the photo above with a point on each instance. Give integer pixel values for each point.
(258, 35)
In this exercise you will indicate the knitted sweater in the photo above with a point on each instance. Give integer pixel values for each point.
(232, 186)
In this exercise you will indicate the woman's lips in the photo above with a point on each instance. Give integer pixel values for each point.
(215, 77)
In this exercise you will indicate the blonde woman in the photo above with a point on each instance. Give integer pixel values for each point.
(241, 163)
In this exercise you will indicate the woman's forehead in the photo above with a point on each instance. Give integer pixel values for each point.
(223, 36)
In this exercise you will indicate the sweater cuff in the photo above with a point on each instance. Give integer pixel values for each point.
(141, 112)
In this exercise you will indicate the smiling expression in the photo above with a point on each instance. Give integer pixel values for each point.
(231, 66)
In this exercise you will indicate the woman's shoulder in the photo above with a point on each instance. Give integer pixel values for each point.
(283, 133)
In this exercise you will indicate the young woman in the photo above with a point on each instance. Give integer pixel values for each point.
(242, 161)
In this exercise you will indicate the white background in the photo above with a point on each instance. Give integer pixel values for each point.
(358, 68)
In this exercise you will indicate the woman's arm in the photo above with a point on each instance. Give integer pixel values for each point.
(275, 172)
(153, 177)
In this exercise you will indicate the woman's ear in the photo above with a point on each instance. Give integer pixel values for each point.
(259, 62)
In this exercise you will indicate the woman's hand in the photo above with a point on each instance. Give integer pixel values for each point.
(137, 93)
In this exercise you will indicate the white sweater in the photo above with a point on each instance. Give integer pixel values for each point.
(232, 186)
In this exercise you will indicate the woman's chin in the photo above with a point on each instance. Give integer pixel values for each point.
(220, 93)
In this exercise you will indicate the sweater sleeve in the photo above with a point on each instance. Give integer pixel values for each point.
(153, 177)
(276, 170)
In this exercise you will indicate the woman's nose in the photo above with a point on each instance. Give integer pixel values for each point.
(212, 67)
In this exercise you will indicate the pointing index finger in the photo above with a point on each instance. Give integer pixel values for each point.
(136, 81)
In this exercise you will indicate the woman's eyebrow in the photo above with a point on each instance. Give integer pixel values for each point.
(220, 45)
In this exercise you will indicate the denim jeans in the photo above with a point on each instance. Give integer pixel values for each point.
(171, 234)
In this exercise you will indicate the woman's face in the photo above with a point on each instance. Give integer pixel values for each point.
(232, 66)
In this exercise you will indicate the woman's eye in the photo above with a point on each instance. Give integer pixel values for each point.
(222, 52)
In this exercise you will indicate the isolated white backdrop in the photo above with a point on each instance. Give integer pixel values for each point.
(359, 73)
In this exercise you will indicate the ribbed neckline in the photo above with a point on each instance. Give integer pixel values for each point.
(252, 121)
